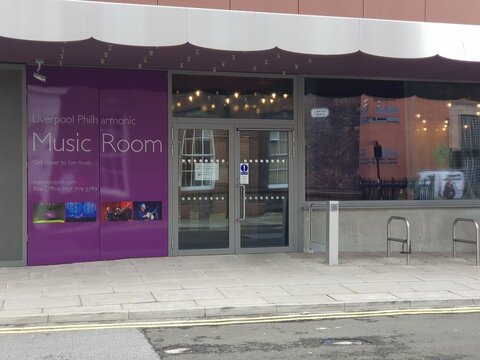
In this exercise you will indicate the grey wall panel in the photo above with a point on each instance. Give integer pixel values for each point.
(11, 165)
(364, 230)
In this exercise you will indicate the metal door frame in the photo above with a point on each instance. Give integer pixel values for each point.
(270, 126)
(174, 241)
(231, 125)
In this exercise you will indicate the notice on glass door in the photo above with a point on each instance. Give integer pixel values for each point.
(244, 171)
(206, 172)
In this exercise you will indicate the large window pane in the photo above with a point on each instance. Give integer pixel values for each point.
(198, 96)
(392, 140)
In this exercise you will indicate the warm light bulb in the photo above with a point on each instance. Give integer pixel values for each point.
(274, 95)
(418, 116)
(190, 98)
(446, 121)
(236, 95)
(285, 95)
(179, 104)
(424, 129)
(271, 101)
(227, 100)
(424, 121)
(263, 100)
(465, 126)
(449, 104)
(213, 106)
(197, 92)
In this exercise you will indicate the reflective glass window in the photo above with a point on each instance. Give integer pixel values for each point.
(201, 96)
(391, 140)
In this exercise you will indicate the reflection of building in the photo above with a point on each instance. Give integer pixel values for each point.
(382, 120)
(199, 169)
(332, 159)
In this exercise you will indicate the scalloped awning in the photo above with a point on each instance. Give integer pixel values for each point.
(143, 25)
(175, 31)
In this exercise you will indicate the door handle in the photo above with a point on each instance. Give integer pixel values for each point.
(242, 198)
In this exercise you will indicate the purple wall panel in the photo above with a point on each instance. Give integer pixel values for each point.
(61, 172)
(97, 137)
(134, 161)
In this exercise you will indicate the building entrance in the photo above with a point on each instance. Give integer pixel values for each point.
(233, 189)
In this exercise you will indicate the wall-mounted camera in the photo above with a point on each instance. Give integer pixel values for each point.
(36, 74)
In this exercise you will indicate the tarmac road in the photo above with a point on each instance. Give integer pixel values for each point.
(432, 337)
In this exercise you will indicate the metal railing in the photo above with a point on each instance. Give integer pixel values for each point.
(467, 241)
(331, 229)
(310, 218)
(404, 241)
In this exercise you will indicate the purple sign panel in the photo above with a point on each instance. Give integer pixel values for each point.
(63, 166)
(133, 164)
(97, 165)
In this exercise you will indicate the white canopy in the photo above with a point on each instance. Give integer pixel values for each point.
(158, 26)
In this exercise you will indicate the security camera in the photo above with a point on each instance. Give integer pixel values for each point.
(37, 74)
(39, 77)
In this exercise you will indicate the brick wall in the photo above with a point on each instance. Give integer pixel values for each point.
(446, 11)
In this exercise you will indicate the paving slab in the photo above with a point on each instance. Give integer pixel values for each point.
(378, 287)
(233, 285)
(316, 289)
(145, 286)
(191, 294)
(42, 303)
(253, 291)
(117, 298)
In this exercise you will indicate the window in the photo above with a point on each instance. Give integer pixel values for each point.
(426, 136)
(204, 96)
(278, 160)
(197, 151)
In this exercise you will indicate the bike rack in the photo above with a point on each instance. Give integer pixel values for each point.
(474, 242)
(401, 240)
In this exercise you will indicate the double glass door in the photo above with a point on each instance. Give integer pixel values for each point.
(233, 190)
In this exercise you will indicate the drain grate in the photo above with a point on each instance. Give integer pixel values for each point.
(176, 351)
(345, 342)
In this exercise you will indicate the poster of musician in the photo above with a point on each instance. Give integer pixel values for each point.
(117, 211)
(147, 210)
(47, 213)
(85, 211)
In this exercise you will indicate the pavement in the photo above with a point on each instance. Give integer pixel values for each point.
(149, 289)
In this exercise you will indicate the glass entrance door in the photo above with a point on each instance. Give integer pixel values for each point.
(263, 185)
(220, 208)
(203, 196)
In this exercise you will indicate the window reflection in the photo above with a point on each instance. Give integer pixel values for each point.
(426, 149)
(232, 97)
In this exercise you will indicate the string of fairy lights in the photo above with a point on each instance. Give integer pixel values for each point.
(236, 102)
